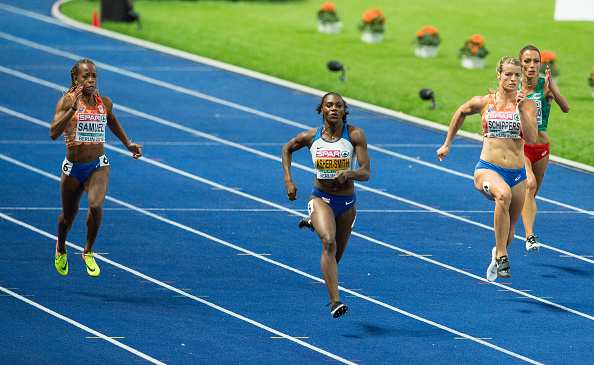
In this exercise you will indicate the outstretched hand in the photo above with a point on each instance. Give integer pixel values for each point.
(136, 150)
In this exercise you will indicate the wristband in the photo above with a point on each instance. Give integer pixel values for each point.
(73, 108)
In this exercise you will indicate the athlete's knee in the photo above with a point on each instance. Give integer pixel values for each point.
(66, 220)
(95, 209)
(531, 186)
(504, 198)
(329, 243)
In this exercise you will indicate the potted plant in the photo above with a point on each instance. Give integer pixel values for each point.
(328, 21)
(473, 52)
(548, 58)
(591, 82)
(372, 26)
(427, 42)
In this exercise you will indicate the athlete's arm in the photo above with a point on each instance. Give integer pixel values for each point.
(552, 92)
(528, 112)
(303, 139)
(65, 109)
(116, 128)
(473, 106)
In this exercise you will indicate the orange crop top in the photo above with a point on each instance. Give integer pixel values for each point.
(87, 125)
(501, 123)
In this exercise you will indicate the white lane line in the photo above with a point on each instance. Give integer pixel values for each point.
(79, 325)
(207, 236)
(256, 210)
(275, 158)
(155, 281)
(280, 207)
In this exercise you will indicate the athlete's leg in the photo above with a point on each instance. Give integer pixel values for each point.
(344, 224)
(515, 208)
(535, 175)
(324, 222)
(71, 192)
(529, 209)
(96, 189)
(495, 188)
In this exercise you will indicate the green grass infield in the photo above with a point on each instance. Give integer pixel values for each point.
(280, 38)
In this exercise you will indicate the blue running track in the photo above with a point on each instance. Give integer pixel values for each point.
(200, 255)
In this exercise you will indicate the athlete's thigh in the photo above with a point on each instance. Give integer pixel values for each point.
(96, 185)
(322, 218)
(71, 192)
(539, 169)
(344, 224)
(517, 202)
(490, 183)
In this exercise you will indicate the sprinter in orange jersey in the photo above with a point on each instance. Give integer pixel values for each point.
(82, 116)
(335, 148)
(508, 120)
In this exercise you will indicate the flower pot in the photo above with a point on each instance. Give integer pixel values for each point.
(371, 37)
(592, 91)
(426, 51)
(473, 62)
(331, 27)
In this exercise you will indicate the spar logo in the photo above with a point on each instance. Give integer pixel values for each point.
(517, 117)
(92, 117)
(328, 153)
(501, 116)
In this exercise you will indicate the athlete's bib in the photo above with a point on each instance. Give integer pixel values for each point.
(331, 157)
(90, 127)
(503, 125)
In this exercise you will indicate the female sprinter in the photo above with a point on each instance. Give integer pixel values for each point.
(332, 206)
(81, 115)
(508, 119)
(542, 90)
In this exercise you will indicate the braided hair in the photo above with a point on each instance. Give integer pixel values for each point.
(74, 72)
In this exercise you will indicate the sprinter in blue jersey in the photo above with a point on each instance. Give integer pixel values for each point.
(336, 148)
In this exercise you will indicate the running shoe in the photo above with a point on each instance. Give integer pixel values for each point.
(338, 309)
(492, 269)
(61, 262)
(503, 267)
(531, 244)
(306, 222)
(92, 267)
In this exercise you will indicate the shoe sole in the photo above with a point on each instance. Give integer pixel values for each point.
(340, 311)
(532, 249)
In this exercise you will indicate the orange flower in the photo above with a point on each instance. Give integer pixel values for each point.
(429, 29)
(371, 14)
(547, 56)
(476, 38)
(420, 34)
(329, 7)
(474, 50)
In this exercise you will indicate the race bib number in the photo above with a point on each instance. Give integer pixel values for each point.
(90, 127)
(327, 168)
(539, 108)
(503, 125)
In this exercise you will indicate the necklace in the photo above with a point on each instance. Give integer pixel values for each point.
(324, 130)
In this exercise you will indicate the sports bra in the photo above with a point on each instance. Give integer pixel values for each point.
(330, 157)
(501, 123)
(87, 125)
